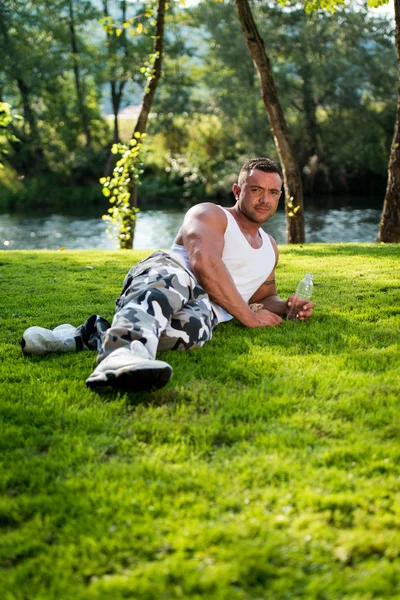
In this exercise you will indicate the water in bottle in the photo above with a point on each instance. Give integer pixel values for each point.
(302, 295)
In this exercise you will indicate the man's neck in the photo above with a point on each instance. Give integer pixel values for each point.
(250, 226)
(249, 229)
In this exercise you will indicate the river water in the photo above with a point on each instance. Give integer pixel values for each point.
(157, 229)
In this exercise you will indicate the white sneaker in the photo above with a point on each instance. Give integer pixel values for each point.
(130, 369)
(38, 340)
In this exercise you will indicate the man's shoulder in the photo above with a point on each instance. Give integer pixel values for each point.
(269, 237)
(205, 208)
(206, 212)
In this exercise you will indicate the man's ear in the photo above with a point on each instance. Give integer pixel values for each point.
(236, 190)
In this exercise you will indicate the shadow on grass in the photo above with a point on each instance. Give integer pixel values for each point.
(239, 358)
(157, 397)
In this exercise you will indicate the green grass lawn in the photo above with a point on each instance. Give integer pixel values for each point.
(268, 468)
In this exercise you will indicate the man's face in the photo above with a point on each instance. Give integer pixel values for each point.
(258, 196)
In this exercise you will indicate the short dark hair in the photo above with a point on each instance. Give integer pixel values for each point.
(262, 164)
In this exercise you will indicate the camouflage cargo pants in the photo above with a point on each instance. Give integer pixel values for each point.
(162, 306)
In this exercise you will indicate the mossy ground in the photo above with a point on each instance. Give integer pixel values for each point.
(268, 468)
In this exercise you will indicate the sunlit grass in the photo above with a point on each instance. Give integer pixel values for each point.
(268, 468)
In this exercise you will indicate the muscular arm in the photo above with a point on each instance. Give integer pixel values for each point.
(267, 296)
(202, 234)
(266, 293)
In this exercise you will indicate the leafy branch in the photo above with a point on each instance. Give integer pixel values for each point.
(293, 208)
(6, 119)
(126, 174)
(121, 187)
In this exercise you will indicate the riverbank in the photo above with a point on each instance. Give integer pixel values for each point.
(268, 467)
(158, 228)
(50, 193)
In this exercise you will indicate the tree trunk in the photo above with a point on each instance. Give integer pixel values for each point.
(34, 160)
(116, 87)
(148, 97)
(78, 84)
(290, 168)
(389, 226)
(29, 114)
(147, 101)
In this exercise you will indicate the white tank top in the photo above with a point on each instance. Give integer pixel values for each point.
(249, 267)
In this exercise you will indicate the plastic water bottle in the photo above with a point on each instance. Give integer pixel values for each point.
(303, 294)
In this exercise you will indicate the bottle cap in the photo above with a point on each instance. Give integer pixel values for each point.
(309, 276)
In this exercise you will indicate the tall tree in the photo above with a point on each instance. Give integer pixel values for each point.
(32, 154)
(155, 70)
(38, 80)
(80, 91)
(148, 97)
(123, 182)
(228, 75)
(336, 72)
(117, 82)
(344, 63)
(291, 172)
(124, 52)
(389, 226)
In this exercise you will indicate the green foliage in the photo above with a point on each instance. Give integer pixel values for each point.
(5, 115)
(190, 149)
(148, 68)
(327, 5)
(35, 43)
(334, 73)
(127, 45)
(135, 25)
(119, 187)
(342, 91)
(267, 468)
(48, 193)
(6, 118)
(376, 3)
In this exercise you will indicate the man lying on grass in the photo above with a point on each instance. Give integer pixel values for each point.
(221, 265)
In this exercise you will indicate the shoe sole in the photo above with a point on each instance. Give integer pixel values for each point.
(140, 380)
